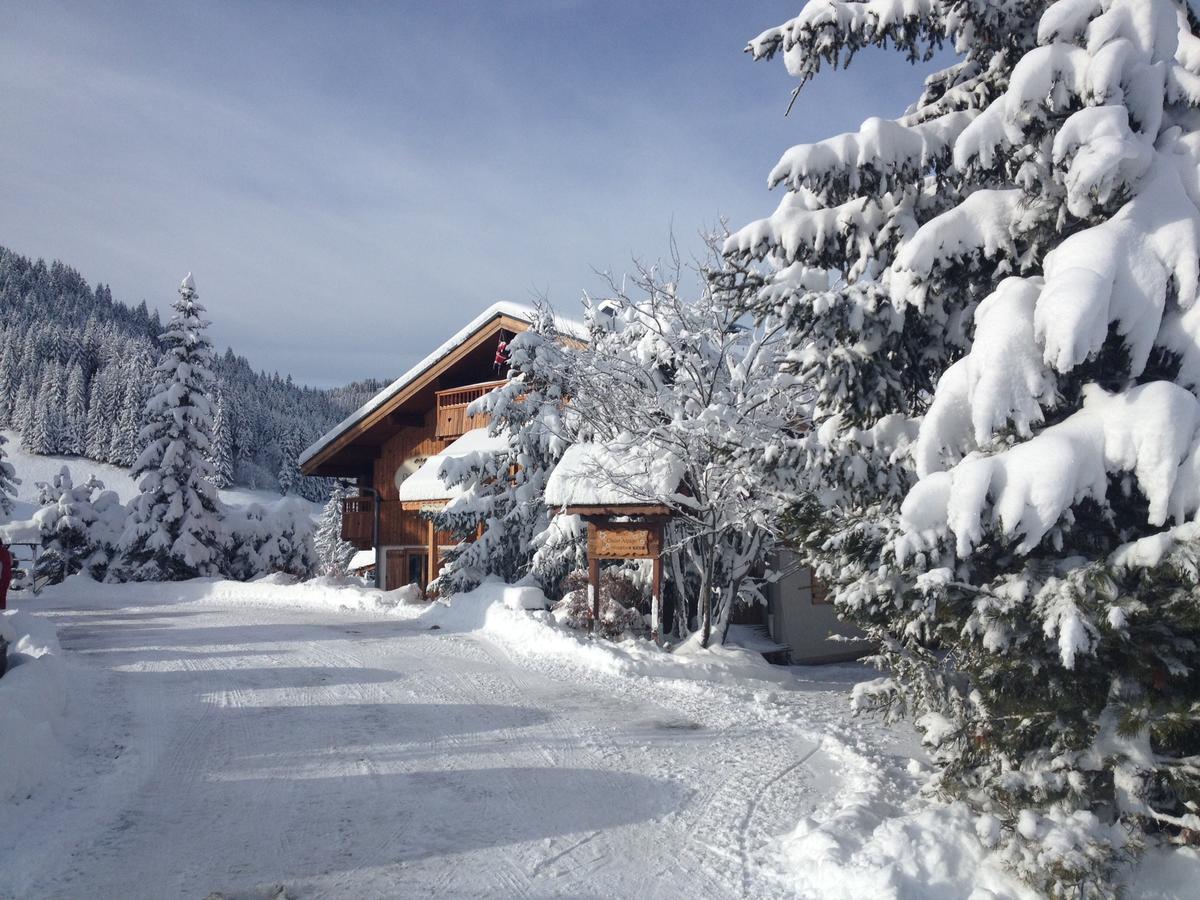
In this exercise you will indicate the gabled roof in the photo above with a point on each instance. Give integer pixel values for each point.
(517, 312)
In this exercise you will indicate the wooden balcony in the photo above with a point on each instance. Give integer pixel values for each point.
(358, 522)
(452, 418)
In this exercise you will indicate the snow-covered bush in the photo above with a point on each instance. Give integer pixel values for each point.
(173, 528)
(263, 540)
(992, 301)
(620, 599)
(80, 527)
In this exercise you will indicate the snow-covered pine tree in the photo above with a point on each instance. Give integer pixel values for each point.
(126, 442)
(55, 396)
(79, 527)
(333, 553)
(173, 528)
(103, 409)
(38, 434)
(9, 380)
(993, 300)
(502, 491)
(8, 480)
(289, 450)
(222, 453)
(74, 434)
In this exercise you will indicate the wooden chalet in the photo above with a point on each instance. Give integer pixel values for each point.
(402, 435)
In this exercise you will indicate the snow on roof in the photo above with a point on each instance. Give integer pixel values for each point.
(26, 532)
(426, 483)
(363, 559)
(504, 307)
(626, 470)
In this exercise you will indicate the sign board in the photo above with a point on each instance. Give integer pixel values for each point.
(621, 540)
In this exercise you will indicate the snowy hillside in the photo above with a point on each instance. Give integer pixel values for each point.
(32, 468)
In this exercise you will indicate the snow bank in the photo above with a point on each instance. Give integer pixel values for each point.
(498, 610)
(33, 704)
(879, 836)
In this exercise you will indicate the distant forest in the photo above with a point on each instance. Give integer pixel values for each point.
(76, 367)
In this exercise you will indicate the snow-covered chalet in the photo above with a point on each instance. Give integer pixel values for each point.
(393, 447)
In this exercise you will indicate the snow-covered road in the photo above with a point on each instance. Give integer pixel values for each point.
(226, 748)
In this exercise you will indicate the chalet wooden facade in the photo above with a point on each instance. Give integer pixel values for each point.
(417, 417)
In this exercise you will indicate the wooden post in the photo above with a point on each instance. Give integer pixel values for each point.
(593, 577)
(656, 601)
(431, 570)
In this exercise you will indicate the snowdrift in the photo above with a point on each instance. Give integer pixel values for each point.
(33, 705)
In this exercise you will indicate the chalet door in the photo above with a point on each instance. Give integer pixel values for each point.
(405, 567)
(395, 571)
(416, 568)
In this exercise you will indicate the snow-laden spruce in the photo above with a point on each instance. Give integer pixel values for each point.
(80, 526)
(173, 530)
(499, 514)
(993, 301)
(333, 554)
(8, 481)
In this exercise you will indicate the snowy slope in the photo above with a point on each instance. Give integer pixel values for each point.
(32, 468)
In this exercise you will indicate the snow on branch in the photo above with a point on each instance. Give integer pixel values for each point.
(826, 28)
(1121, 272)
(880, 150)
(1026, 490)
(801, 231)
(1002, 380)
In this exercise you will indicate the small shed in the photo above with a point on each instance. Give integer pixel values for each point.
(618, 487)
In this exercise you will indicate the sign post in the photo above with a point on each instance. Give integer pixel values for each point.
(626, 540)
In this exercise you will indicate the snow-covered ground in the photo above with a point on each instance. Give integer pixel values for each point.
(32, 468)
(329, 738)
(230, 737)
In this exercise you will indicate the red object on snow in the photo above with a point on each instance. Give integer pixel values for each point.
(6, 573)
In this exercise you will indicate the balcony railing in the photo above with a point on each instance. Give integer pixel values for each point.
(452, 418)
(358, 522)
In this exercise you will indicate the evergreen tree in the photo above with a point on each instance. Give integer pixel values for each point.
(38, 436)
(126, 442)
(289, 450)
(75, 414)
(78, 527)
(172, 531)
(333, 553)
(992, 302)
(103, 410)
(8, 480)
(502, 487)
(222, 457)
(9, 380)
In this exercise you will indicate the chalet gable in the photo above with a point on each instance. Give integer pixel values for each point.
(467, 358)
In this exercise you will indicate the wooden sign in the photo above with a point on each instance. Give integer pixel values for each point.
(621, 540)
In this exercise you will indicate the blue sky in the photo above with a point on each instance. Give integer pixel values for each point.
(350, 182)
